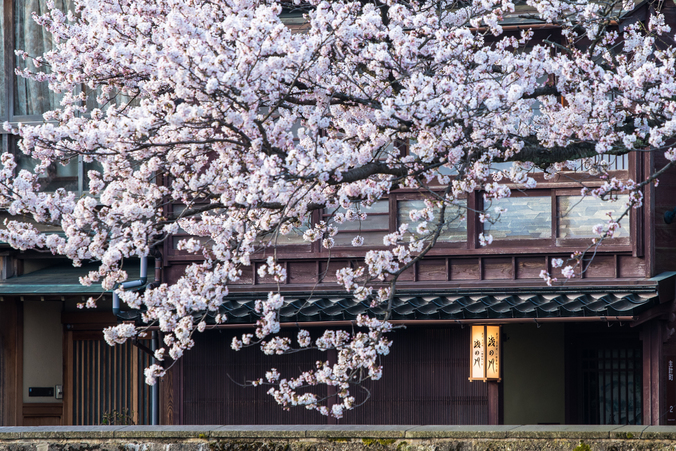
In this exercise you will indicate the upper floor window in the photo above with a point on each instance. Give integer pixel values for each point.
(32, 98)
(522, 218)
(372, 227)
(24, 100)
(556, 216)
(577, 215)
(454, 229)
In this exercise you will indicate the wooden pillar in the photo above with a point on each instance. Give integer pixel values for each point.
(653, 389)
(11, 354)
(68, 400)
(171, 395)
(493, 402)
(168, 398)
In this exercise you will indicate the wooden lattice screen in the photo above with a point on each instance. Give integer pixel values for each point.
(424, 382)
(604, 375)
(108, 383)
(612, 386)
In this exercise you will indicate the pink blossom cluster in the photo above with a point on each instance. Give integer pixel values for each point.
(215, 120)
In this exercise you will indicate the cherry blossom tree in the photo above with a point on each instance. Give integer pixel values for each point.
(252, 126)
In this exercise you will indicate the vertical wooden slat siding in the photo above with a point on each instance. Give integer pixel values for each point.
(78, 383)
(133, 376)
(105, 380)
(118, 379)
(75, 387)
(124, 387)
(97, 382)
(424, 382)
(88, 377)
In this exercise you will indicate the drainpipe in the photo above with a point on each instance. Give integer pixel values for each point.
(155, 389)
(131, 284)
(154, 344)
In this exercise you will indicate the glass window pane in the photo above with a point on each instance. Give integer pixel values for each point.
(525, 218)
(455, 227)
(377, 217)
(610, 162)
(67, 170)
(372, 229)
(294, 236)
(370, 238)
(30, 97)
(372, 222)
(55, 177)
(578, 215)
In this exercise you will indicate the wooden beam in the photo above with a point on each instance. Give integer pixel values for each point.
(653, 389)
(657, 311)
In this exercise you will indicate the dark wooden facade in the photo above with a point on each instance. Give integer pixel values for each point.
(424, 382)
(425, 376)
(204, 376)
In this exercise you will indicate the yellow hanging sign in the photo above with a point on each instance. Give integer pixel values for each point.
(485, 354)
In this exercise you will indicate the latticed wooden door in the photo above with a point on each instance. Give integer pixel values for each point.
(107, 382)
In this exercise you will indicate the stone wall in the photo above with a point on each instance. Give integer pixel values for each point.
(338, 438)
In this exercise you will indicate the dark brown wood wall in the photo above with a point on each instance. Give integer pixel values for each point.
(664, 234)
(424, 382)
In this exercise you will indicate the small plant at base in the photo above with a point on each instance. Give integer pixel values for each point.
(115, 418)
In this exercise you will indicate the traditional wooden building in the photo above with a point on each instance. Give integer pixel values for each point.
(599, 349)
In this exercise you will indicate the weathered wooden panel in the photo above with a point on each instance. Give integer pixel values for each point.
(529, 267)
(173, 273)
(629, 266)
(246, 278)
(327, 271)
(302, 272)
(498, 268)
(424, 382)
(408, 275)
(432, 270)
(665, 234)
(266, 278)
(43, 414)
(600, 266)
(464, 268)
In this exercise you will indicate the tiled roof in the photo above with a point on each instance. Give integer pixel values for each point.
(453, 306)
